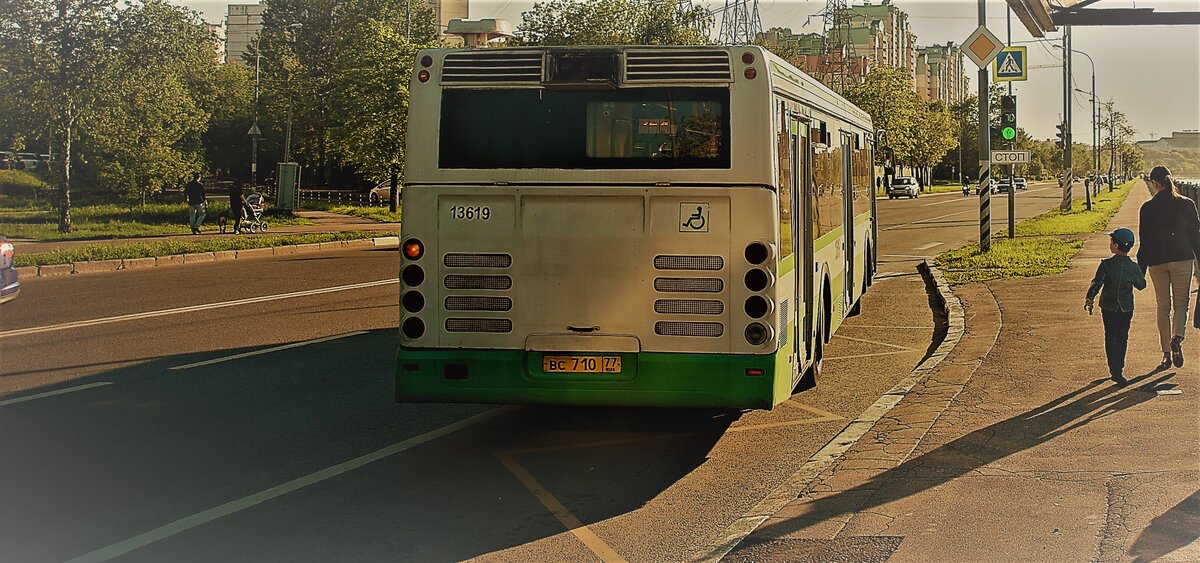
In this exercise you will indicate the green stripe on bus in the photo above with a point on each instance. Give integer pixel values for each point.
(647, 379)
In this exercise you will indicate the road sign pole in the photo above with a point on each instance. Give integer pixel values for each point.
(1068, 175)
(985, 150)
(1012, 186)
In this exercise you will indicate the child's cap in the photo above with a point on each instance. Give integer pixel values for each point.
(1123, 236)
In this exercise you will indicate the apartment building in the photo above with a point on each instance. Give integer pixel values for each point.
(242, 24)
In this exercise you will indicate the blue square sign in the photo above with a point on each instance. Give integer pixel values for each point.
(1010, 65)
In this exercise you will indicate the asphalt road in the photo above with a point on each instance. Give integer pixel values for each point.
(913, 229)
(243, 411)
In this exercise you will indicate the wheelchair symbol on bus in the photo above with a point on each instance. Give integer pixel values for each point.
(693, 217)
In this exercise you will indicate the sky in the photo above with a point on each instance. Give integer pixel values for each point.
(1152, 74)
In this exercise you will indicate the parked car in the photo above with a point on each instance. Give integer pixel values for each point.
(905, 186)
(991, 185)
(9, 285)
(382, 191)
(1020, 183)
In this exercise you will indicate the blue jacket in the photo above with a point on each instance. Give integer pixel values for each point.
(1118, 276)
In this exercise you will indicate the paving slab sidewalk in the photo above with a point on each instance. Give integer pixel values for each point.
(326, 222)
(1017, 447)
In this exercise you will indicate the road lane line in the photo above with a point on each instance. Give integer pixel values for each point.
(7, 402)
(876, 342)
(193, 308)
(874, 355)
(189, 522)
(806, 407)
(267, 350)
(564, 516)
(928, 246)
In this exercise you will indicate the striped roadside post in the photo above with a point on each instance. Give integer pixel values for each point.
(985, 205)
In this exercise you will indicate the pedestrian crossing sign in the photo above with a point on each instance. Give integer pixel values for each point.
(1010, 65)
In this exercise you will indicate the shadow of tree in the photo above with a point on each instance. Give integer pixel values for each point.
(977, 449)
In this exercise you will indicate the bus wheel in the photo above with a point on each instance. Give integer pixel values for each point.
(856, 310)
(809, 378)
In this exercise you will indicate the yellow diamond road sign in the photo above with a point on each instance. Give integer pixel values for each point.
(982, 46)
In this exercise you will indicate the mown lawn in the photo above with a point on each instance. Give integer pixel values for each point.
(1043, 245)
(170, 247)
(91, 222)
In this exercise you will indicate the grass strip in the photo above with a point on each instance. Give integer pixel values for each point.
(380, 214)
(89, 252)
(92, 222)
(1044, 244)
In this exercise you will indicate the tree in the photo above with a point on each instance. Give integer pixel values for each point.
(613, 22)
(146, 133)
(933, 136)
(374, 63)
(57, 54)
(887, 95)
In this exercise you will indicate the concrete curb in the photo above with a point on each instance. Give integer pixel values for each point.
(835, 449)
(97, 266)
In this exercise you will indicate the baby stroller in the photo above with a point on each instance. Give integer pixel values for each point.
(252, 214)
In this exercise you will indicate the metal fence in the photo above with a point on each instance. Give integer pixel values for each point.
(1189, 187)
(330, 197)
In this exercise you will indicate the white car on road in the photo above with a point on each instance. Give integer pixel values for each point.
(906, 186)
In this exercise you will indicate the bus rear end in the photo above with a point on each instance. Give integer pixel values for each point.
(588, 241)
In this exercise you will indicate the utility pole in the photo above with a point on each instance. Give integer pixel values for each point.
(1112, 142)
(985, 152)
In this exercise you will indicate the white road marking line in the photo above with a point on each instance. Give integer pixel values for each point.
(189, 522)
(7, 402)
(904, 256)
(267, 350)
(192, 308)
(931, 219)
(928, 246)
(865, 341)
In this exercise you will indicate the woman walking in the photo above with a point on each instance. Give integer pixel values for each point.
(1170, 233)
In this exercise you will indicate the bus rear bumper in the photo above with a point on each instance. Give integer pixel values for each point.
(646, 380)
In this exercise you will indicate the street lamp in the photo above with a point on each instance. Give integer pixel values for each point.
(1095, 110)
(254, 131)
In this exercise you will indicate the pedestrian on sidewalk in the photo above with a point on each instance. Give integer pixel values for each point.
(237, 205)
(1170, 231)
(1117, 276)
(193, 192)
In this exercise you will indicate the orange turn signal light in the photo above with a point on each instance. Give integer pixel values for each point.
(413, 249)
(423, 76)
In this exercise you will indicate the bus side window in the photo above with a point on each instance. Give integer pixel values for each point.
(785, 191)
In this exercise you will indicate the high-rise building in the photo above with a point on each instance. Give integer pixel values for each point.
(217, 33)
(242, 24)
(943, 74)
(882, 33)
(446, 10)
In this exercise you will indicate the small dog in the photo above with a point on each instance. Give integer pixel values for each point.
(222, 220)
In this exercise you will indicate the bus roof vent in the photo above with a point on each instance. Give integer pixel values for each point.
(492, 66)
(677, 65)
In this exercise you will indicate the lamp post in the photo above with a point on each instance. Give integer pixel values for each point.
(1095, 110)
(254, 131)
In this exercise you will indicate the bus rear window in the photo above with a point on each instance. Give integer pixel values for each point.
(590, 129)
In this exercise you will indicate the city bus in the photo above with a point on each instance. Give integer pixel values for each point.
(627, 226)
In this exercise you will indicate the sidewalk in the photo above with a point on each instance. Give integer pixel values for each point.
(1018, 447)
(325, 223)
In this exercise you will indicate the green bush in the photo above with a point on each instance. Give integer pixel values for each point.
(91, 222)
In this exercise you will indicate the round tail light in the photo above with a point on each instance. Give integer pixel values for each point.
(412, 276)
(413, 301)
(423, 76)
(757, 280)
(757, 334)
(757, 306)
(413, 249)
(413, 327)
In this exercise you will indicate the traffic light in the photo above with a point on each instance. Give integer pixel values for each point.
(1008, 117)
(1062, 135)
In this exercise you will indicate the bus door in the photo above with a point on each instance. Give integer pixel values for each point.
(803, 229)
(848, 220)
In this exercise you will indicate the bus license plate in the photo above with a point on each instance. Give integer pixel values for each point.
(581, 364)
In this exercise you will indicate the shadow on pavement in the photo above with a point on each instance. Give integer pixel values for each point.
(152, 446)
(1087, 404)
(1176, 528)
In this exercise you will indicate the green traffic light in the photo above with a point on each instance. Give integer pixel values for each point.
(1009, 133)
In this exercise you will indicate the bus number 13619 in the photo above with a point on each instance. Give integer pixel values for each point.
(468, 213)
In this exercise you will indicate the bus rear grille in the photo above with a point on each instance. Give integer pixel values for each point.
(481, 67)
(669, 66)
(478, 304)
(460, 281)
(454, 260)
(673, 262)
(689, 285)
(689, 307)
(478, 325)
(670, 328)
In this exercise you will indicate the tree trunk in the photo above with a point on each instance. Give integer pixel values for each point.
(64, 173)
(393, 200)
